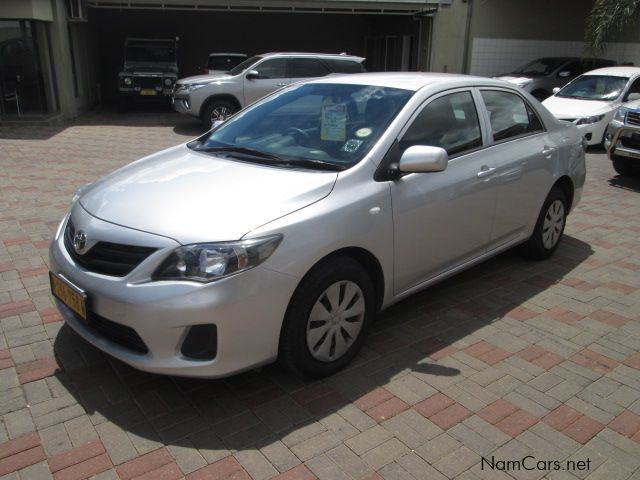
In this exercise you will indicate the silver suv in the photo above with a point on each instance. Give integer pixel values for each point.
(213, 98)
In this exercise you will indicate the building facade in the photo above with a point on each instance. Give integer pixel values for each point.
(59, 57)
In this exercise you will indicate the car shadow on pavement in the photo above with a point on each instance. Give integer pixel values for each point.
(410, 347)
(626, 183)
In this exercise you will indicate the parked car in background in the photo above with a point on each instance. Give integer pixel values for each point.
(150, 67)
(284, 230)
(591, 100)
(219, 63)
(541, 76)
(622, 140)
(218, 97)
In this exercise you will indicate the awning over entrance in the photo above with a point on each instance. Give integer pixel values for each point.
(383, 7)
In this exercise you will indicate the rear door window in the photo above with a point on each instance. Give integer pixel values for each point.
(306, 68)
(343, 66)
(510, 115)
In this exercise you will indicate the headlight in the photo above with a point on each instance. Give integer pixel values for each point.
(206, 262)
(79, 192)
(168, 82)
(589, 120)
(620, 115)
(127, 80)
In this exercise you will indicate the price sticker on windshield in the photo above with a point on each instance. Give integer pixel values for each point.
(334, 122)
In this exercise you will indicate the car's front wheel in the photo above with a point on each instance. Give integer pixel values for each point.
(327, 318)
(217, 110)
(549, 227)
(623, 167)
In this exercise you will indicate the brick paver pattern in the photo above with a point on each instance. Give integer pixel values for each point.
(509, 359)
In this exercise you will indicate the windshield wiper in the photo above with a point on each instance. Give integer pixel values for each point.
(257, 156)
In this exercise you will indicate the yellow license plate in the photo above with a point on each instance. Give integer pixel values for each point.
(147, 91)
(68, 295)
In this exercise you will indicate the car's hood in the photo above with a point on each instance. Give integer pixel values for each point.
(635, 105)
(201, 78)
(193, 197)
(576, 108)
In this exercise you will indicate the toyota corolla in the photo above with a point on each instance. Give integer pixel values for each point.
(282, 232)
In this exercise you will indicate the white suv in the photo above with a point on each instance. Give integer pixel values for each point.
(213, 98)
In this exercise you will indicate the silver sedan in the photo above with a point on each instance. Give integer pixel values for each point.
(282, 232)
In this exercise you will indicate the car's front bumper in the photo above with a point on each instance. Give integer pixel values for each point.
(618, 140)
(247, 309)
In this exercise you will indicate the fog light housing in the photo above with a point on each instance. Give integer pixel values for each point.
(201, 343)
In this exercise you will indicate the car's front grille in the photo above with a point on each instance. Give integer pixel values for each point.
(633, 118)
(113, 259)
(631, 142)
(147, 82)
(117, 333)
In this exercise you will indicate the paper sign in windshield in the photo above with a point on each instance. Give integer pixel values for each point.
(334, 122)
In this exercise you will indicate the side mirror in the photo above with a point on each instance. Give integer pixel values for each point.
(564, 74)
(252, 75)
(633, 97)
(556, 90)
(423, 158)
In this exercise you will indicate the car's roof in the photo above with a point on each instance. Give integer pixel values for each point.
(413, 80)
(616, 71)
(311, 54)
(227, 54)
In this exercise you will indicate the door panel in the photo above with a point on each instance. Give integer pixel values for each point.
(442, 219)
(523, 159)
(272, 77)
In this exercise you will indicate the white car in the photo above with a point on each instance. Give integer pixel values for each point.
(591, 100)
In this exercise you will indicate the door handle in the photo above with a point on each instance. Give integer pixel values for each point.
(546, 151)
(486, 172)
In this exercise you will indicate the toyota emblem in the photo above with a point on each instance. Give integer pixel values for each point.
(79, 241)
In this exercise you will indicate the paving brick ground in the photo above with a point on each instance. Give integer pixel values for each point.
(509, 360)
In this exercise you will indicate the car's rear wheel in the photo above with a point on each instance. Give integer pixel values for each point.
(327, 318)
(549, 227)
(217, 110)
(623, 167)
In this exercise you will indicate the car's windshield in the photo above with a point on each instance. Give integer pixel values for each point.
(241, 67)
(540, 67)
(594, 87)
(150, 52)
(224, 62)
(322, 124)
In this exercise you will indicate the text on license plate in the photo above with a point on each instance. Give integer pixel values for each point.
(67, 295)
(147, 91)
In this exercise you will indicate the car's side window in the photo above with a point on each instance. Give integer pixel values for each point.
(574, 68)
(306, 68)
(274, 68)
(510, 115)
(634, 88)
(450, 122)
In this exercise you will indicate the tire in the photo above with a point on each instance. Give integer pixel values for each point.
(623, 167)
(217, 110)
(549, 228)
(540, 95)
(314, 347)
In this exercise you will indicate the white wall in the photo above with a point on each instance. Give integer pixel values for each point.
(492, 56)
